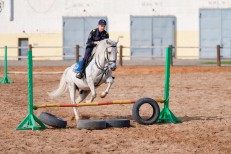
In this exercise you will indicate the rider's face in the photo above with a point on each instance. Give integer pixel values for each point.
(101, 27)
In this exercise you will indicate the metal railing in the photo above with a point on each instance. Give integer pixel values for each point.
(77, 49)
(121, 55)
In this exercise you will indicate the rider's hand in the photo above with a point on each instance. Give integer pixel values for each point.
(96, 42)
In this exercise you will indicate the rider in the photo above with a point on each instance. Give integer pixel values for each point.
(94, 37)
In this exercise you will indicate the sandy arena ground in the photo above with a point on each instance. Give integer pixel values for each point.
(200, 96)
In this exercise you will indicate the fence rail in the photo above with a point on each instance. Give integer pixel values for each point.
(40, 73)
(25, 57)
(121, 55)
(121, 47)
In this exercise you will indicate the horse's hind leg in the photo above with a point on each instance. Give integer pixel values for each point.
(82, 95)
(72, 89)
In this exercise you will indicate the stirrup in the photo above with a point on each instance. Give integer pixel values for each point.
(79, 75)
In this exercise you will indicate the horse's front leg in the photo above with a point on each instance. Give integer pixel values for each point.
(91, 85)
(109, 81)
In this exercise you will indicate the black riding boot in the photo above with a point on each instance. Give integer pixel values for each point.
(84, 63)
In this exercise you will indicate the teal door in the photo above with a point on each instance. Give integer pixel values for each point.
(147, 31)
(76, 31)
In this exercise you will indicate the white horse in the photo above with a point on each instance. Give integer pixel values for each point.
(98, 71)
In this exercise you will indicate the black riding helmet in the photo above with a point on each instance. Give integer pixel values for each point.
(102, 22)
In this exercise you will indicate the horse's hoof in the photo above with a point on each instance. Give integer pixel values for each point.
(103, 94)
(88, 101)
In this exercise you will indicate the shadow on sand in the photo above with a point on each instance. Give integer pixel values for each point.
(201, 118)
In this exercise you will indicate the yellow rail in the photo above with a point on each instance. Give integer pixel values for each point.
(159, 100)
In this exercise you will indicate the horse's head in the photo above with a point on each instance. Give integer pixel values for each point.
(111, 53)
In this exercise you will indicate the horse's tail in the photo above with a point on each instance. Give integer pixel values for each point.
(62, 86)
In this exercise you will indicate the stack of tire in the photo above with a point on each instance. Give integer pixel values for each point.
(54, 121)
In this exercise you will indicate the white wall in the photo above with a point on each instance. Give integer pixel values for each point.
(45, 16)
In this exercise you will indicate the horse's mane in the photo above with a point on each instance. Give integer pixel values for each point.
(101, 47)
(106, 43)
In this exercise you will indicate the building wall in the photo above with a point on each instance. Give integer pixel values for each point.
(41, 21)
(42, 39)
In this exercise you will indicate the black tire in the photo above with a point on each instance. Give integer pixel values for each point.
(155, 114)
(91, 124)
(119, 123)
(52, 120)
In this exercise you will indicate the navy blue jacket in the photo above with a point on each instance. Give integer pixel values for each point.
(95, 35)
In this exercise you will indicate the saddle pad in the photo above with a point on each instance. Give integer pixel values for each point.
(77, 66)
(76, 69)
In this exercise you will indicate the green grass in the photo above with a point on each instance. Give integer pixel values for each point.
(214, 62)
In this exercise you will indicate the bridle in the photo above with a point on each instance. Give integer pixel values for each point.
(104, 69)
(106, 58)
